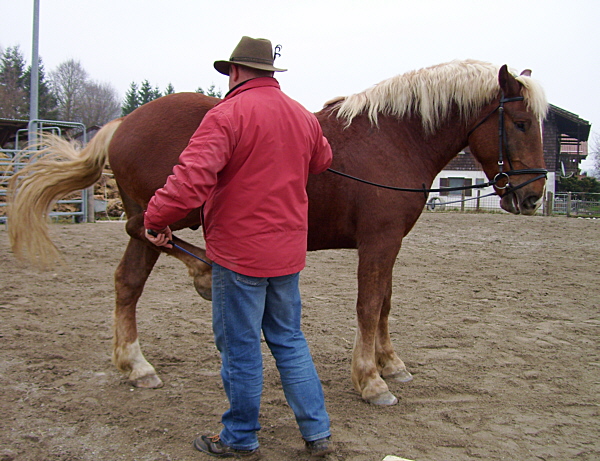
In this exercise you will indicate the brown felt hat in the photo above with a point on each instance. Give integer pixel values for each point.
(250, 52)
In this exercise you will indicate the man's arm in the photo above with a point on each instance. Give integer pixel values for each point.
(194, 177)
(322, 155)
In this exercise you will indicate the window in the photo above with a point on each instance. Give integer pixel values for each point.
(456, 182)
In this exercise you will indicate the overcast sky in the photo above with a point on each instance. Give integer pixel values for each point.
(331, 47)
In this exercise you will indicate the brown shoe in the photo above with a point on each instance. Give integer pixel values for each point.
(319, 448)
(214, 446)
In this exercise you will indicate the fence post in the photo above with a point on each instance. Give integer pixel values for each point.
(549, 205)
(462, 201)
(91, 209)
(478, 199)
(568, 204)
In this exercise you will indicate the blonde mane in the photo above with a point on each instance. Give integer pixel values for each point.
(432, 92)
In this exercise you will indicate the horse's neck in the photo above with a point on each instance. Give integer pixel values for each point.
(434, 150)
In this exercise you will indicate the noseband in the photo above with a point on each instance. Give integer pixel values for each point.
(502, 143)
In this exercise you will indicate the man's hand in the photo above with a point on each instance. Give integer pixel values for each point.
(160, 238)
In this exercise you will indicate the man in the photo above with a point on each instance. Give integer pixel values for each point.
(248, 164)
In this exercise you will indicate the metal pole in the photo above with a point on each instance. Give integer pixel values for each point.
(35, 73)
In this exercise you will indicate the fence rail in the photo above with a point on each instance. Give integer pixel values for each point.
(583, 204)
(577, 204)
(75, 206)
(79, 205)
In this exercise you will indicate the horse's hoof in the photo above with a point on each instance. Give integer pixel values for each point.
(387, 398)
(401, 376)
(203, 291)
(148, 382)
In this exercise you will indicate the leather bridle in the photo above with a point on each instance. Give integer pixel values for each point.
(502, 145)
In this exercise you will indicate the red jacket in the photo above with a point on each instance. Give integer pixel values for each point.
(248, 163)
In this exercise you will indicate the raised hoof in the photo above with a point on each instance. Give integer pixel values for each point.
(203, 291)
(387, 398)
(401, 376)
(147, 382)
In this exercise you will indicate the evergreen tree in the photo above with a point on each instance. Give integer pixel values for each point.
(170, 89)
(47, 101)
(132, 100)
(147, 93)
(156, 93)
(210, 91)
(13, 96)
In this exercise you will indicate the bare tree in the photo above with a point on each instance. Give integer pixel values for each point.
(99, 104)
(69, 81)
(81, 99)
(595, 153)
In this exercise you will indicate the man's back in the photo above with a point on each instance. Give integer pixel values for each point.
(259, 205)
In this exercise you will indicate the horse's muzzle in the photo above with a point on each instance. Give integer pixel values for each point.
(521, 202)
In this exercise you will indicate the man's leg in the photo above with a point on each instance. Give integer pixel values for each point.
(301, 385)
(238, 306)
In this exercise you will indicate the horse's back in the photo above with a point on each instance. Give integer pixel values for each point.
(147, 144)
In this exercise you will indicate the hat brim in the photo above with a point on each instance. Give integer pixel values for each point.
(223, 66)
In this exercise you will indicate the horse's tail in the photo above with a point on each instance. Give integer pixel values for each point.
(56, 170)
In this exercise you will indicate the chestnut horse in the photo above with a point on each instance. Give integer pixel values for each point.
(401, 132)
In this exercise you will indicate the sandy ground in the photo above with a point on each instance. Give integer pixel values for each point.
(496, 316)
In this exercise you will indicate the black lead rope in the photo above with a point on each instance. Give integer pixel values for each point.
(405, 189)
(540, 171)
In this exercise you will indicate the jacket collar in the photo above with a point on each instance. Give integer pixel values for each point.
(259, 82)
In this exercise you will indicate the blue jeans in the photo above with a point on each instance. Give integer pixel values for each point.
(242, 307)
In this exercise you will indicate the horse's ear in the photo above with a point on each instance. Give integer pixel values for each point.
(526, 73)
(508, 83)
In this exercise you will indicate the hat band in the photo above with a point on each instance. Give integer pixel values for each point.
(247, 59)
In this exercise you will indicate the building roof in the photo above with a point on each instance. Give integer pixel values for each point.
(571, 124)
(9, 128)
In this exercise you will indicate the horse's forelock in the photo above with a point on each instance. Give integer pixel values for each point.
(431, 93)
(535, 97)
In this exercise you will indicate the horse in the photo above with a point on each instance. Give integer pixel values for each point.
(400, 132)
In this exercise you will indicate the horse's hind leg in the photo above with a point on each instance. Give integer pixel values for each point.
(130, 278)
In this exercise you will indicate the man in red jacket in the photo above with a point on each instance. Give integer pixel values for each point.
(248, 164)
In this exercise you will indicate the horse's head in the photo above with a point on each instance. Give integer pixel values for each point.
(507, 140)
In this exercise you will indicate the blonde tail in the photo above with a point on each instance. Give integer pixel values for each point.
(56, 170)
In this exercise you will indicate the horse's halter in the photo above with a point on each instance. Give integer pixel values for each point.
(502, 144)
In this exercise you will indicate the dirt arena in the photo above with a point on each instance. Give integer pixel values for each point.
(496, 316)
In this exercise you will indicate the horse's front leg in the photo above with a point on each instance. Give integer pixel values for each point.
(374, 288)
(130, 278)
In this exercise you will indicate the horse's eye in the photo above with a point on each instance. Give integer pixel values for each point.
(520, 126)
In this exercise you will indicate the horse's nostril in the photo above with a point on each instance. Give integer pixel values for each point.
(531, 203)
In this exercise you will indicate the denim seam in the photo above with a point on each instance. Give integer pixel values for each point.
(320, 435)
(225, 335)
